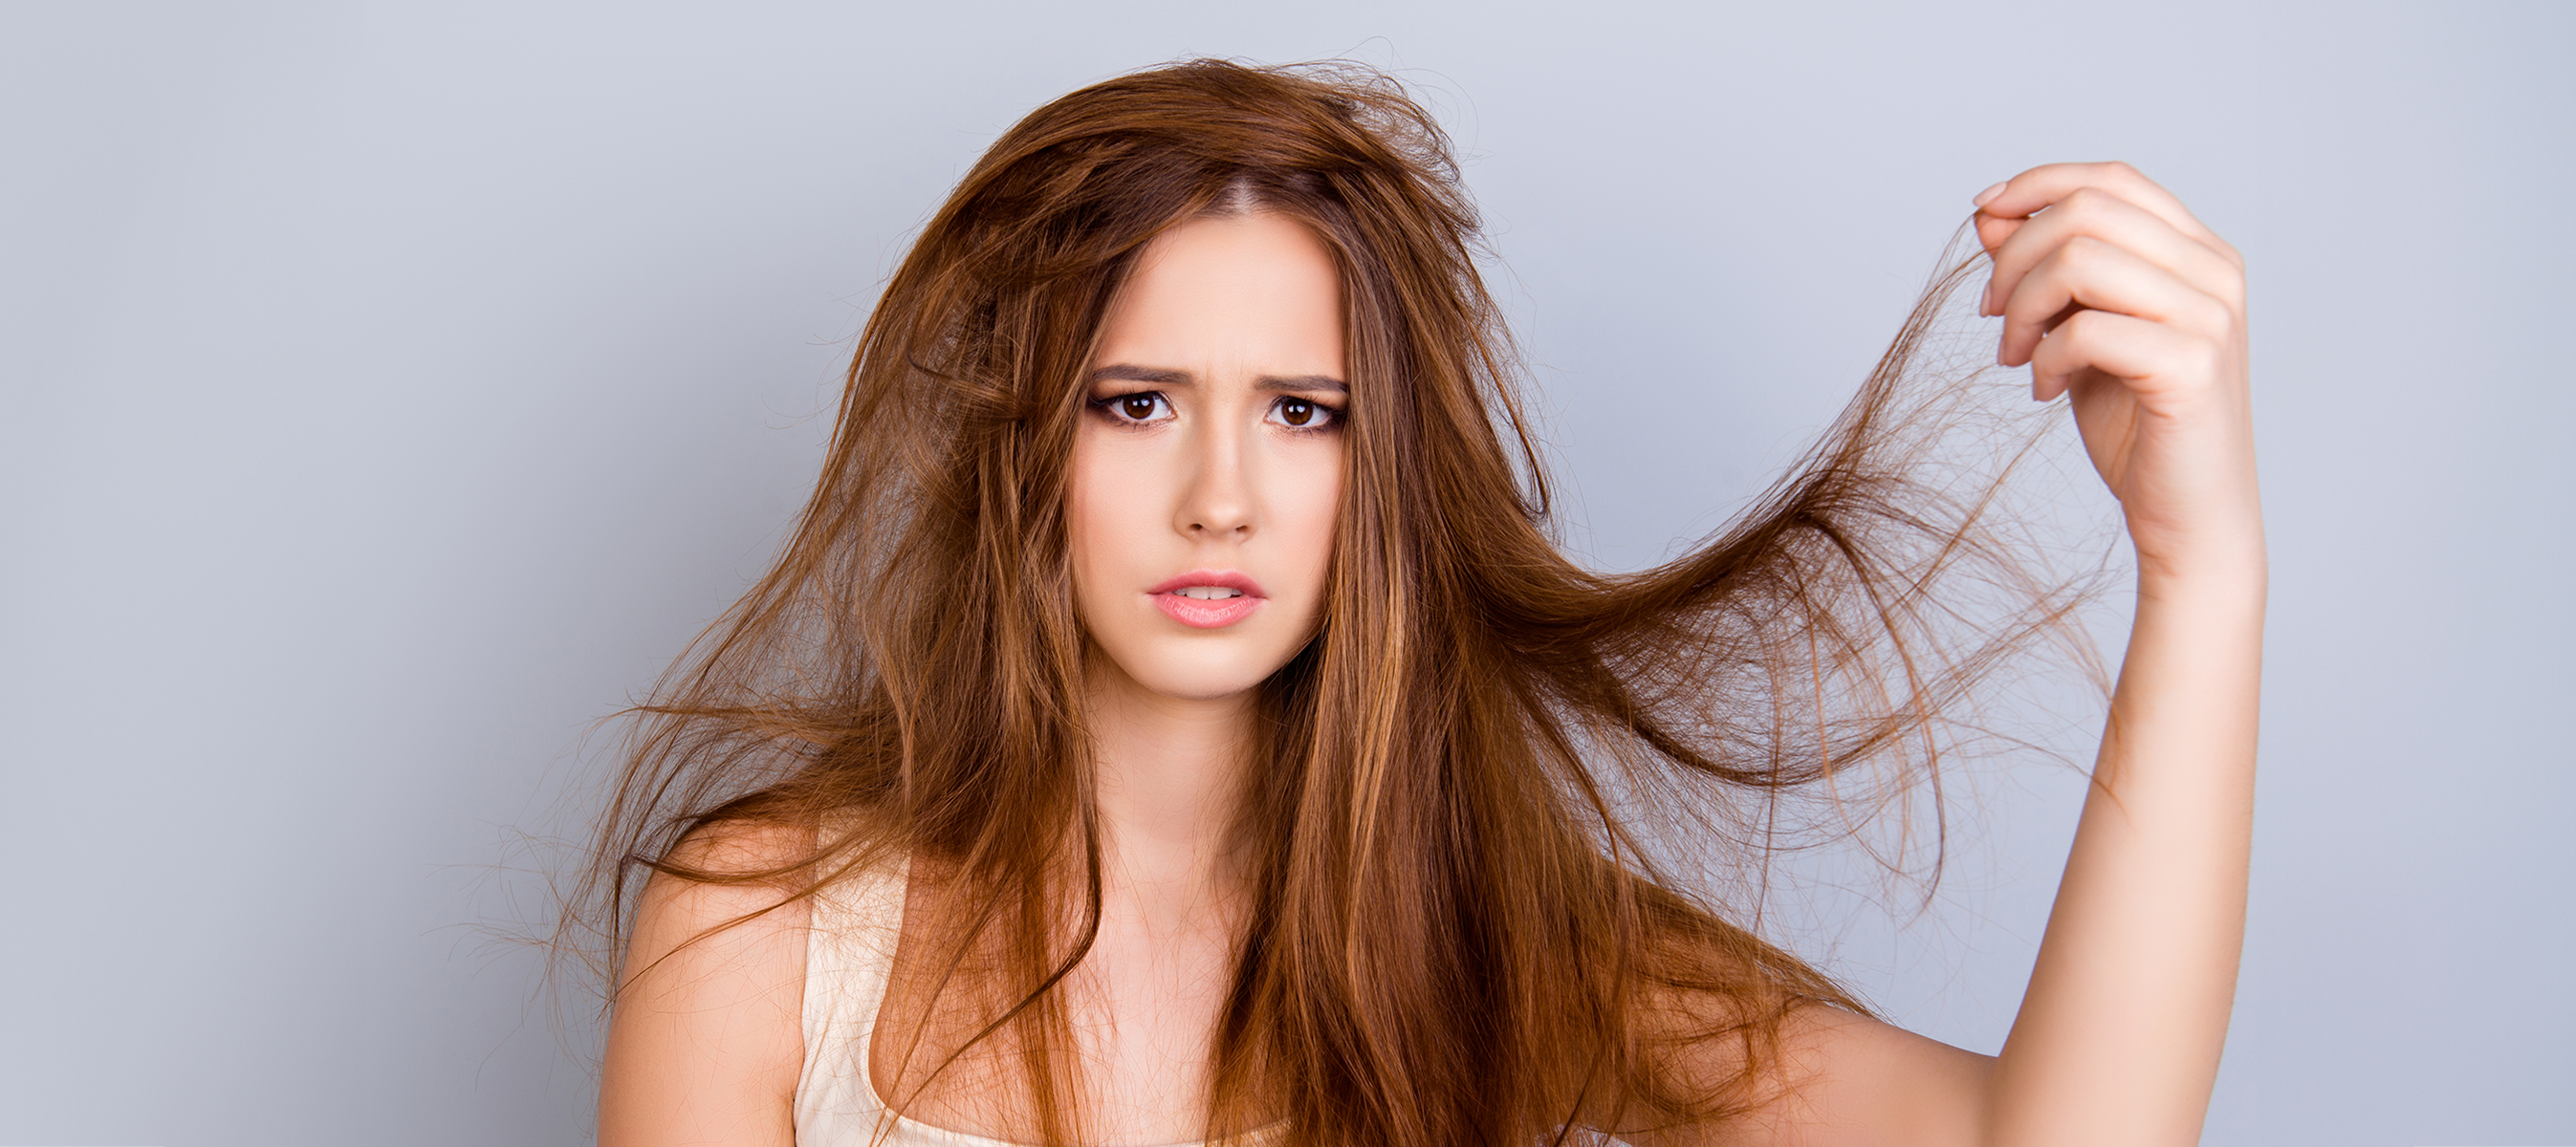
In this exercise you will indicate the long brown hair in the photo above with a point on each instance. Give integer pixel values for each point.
(1459, 932)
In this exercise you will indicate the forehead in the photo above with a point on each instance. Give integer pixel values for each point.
(1256, 292)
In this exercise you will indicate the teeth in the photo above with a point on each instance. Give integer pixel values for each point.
(1208, 592)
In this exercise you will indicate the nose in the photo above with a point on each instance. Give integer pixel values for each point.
(1218, 503)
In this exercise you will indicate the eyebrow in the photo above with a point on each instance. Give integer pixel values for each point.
(1291, 383)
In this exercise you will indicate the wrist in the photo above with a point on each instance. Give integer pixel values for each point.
(2241, 578)
(2220, 560)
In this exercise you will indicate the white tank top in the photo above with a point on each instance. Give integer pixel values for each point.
(848, 955)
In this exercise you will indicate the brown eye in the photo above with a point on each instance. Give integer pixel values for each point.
(1139, 407)
(1302, 414)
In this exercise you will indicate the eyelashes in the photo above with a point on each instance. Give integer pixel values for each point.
(1137, 408)
(1302, 414)
(1150, 407)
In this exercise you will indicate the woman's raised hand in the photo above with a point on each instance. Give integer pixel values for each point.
(2118, 298)
(2115, 295)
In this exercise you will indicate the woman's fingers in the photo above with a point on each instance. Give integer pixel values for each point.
(2099, 272)
(2032, 191)
(2087, 273)
(2100, 215)
(2139, 352)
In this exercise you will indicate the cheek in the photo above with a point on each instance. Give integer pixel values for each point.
(1106, 515)
(1310, 521)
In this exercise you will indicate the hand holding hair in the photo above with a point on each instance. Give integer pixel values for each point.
(2115, 295)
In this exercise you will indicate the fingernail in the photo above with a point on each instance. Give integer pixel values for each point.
(1988, 195)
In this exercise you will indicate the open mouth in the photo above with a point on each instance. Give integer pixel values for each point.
(1202, 599)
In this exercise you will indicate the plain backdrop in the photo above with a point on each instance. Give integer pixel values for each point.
(387, 393)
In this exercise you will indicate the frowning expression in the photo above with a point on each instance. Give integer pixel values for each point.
(1207, 469)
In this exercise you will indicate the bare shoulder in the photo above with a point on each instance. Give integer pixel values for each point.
(705, 1039)
(1845, 1079)
(721, 922)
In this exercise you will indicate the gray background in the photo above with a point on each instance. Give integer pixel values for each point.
(386, 393)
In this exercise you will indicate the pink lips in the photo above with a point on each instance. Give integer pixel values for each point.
(1203, 613)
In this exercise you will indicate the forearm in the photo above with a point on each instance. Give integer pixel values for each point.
(2118, 1039)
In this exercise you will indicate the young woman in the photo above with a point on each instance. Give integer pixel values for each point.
(1170, 720)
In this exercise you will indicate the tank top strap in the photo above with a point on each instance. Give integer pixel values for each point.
(849, 953)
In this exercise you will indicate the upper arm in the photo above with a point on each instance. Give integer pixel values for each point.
(706, 1039)
(1844, 1080)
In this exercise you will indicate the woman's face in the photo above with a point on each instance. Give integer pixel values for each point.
(1207, 470)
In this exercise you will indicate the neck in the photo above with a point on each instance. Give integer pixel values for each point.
(1170, 775)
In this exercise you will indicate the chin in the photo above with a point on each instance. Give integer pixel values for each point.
(1194, 675)
(1184, 685)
